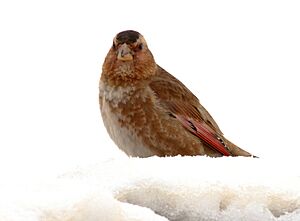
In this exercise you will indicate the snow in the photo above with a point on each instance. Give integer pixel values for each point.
(172, 188)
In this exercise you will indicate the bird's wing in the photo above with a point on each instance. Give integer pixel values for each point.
(181, 103)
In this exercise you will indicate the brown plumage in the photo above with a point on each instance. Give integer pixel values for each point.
(147, 111)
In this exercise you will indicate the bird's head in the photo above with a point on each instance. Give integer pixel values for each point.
(129, 58)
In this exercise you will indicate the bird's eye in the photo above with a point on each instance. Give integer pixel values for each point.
(141, 46)
(114, 45)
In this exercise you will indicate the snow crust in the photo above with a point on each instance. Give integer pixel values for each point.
(174, 188)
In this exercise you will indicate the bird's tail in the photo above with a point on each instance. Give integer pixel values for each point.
(237, 151)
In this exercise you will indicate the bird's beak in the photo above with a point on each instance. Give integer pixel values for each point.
(125, 53)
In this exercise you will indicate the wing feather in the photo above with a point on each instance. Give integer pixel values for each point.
(180, 102)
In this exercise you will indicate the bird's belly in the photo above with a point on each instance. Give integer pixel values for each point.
(125, 138)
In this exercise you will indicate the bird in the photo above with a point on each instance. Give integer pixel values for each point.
(149, 112)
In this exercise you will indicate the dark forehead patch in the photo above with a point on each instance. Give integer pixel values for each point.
(129, 36)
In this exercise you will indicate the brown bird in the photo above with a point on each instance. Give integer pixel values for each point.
(147, 111)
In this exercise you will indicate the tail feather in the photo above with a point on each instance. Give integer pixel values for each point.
(237, 151)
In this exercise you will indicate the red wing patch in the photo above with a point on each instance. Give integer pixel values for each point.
(205, 133)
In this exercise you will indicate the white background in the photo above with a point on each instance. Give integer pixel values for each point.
(240, 58)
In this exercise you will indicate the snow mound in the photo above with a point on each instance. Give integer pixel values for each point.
(174, 188)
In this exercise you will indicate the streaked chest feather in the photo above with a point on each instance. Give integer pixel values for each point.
(115, 101)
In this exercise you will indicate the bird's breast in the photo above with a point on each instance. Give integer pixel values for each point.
(115, 102)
